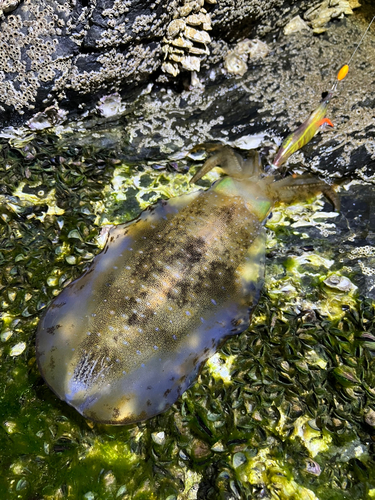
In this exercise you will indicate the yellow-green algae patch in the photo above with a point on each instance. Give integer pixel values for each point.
(221, 366)
(145, 187)
(111, 454)
(262, 469)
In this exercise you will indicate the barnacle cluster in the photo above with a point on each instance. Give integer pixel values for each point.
(120, 22)
(114, 67)
(186, 38)
(320, 15)
(8, 5)
(40, 57)
(20, 77)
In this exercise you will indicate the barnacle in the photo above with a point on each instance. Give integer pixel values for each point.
(187, 38)
(48, 118)
(320, 15)
(235, 61)
(8, 5)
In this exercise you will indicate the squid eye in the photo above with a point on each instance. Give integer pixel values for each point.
(324, 94)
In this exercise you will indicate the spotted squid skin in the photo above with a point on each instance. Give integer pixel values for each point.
(126, 339)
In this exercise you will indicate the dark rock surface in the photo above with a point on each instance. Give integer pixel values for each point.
(68, 54)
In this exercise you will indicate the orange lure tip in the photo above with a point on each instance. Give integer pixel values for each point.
(343, 72)
(325, 121)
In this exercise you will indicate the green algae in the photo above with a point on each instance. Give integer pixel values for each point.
(283, 410)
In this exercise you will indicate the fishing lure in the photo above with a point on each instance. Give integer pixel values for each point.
(306, 131)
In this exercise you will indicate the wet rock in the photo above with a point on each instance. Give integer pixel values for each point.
(70, 54)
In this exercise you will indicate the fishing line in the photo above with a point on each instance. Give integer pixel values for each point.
(343, 71)
(361, 40)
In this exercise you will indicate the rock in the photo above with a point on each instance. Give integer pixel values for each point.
(69, 55)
